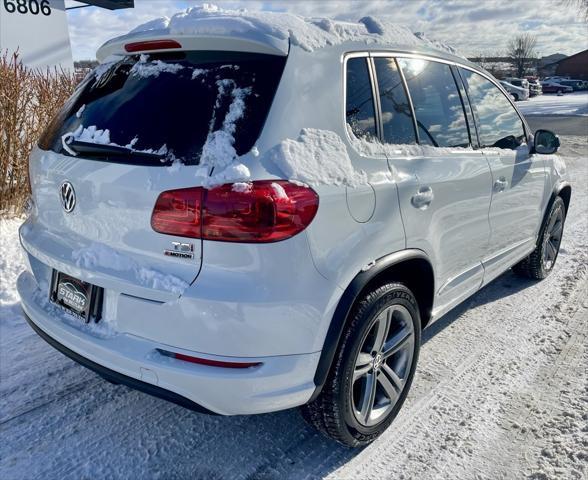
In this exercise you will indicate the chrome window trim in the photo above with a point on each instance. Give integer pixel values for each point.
(415, 123)
(424, 56)
(344, 59)
(403, 54)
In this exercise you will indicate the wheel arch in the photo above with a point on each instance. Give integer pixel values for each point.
(564, 191)
(411, 267)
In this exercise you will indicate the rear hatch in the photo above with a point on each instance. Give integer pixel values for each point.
(133, 129)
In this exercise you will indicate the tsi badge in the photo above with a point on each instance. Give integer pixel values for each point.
(181, 250)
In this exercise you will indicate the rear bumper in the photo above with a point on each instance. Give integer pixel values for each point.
(116, 377)
(281, 382)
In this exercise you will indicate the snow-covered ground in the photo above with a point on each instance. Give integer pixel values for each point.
(575, 103)
(501, 392)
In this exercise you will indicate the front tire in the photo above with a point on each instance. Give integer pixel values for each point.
(541, 261)
(372, 370)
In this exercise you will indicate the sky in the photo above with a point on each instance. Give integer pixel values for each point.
(474, 27)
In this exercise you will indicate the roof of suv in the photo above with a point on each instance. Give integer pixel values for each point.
(211, 28)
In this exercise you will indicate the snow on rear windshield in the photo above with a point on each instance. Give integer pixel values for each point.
(179, 100)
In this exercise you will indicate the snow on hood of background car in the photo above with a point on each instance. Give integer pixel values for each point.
(307, 33)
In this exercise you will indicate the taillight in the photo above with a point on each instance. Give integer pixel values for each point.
(151, 45)
(260, 211)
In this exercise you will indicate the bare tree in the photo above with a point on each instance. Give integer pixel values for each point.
(487, 60)
(580, 5)
(521, 52)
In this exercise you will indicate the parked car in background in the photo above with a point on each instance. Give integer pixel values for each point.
(551, 86)
(576, 85)
(534, 86)
(518, 82)
(517, 92)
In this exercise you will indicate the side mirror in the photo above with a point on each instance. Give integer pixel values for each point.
(546, 142)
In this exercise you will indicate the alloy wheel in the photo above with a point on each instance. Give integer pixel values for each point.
(382, 365)
(552, 239)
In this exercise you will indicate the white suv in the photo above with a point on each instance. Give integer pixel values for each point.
(251, 221)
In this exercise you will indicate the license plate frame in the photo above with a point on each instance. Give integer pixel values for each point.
(80, 299)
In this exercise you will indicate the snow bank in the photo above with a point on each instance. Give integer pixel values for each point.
(307, 33)
(571, 104)
(317, 157)
(99, 255)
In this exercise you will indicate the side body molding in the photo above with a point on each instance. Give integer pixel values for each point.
(350, 295)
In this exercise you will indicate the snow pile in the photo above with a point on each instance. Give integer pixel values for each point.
(219, 162)
(317, 157)
(197, 72)
(144, 68)
(102, 69)
(93, 134)
(241, 187)
(374, 148)
(307, 33)
(99, 255)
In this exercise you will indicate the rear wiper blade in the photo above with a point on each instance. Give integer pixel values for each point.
(107, 150)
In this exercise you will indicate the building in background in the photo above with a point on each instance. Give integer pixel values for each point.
(575, 66)
(38, 30)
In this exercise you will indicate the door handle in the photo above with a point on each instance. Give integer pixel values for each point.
(423, 198)
(500, 184)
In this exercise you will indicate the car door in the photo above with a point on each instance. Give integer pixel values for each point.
(518, 177)
(444, 185)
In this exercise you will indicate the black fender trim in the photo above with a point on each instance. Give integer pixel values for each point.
(345, 305)
(119, 378)
(557, 190)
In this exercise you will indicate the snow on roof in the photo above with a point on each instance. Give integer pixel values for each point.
(307, 33)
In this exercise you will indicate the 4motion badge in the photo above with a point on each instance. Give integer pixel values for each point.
(180, 250)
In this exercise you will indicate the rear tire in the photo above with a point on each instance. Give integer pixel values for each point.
(541, 261)
(372, 370)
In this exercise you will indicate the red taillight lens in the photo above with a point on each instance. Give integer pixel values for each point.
(178, 212)
(151, 45)
(265, 211)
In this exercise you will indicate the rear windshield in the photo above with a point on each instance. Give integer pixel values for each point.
(163, 107)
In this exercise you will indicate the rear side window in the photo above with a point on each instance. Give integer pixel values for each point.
(397, 123)
(437, 104)
(359, 104)
(170, 104)
(499, 125)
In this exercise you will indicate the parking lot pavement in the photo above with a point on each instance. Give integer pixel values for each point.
(560, 124)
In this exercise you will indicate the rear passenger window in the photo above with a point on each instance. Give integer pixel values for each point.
(397, 124)
(499, 125)
(437, 105)
(359, 107)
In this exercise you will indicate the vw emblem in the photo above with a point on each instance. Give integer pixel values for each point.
(68, 196)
